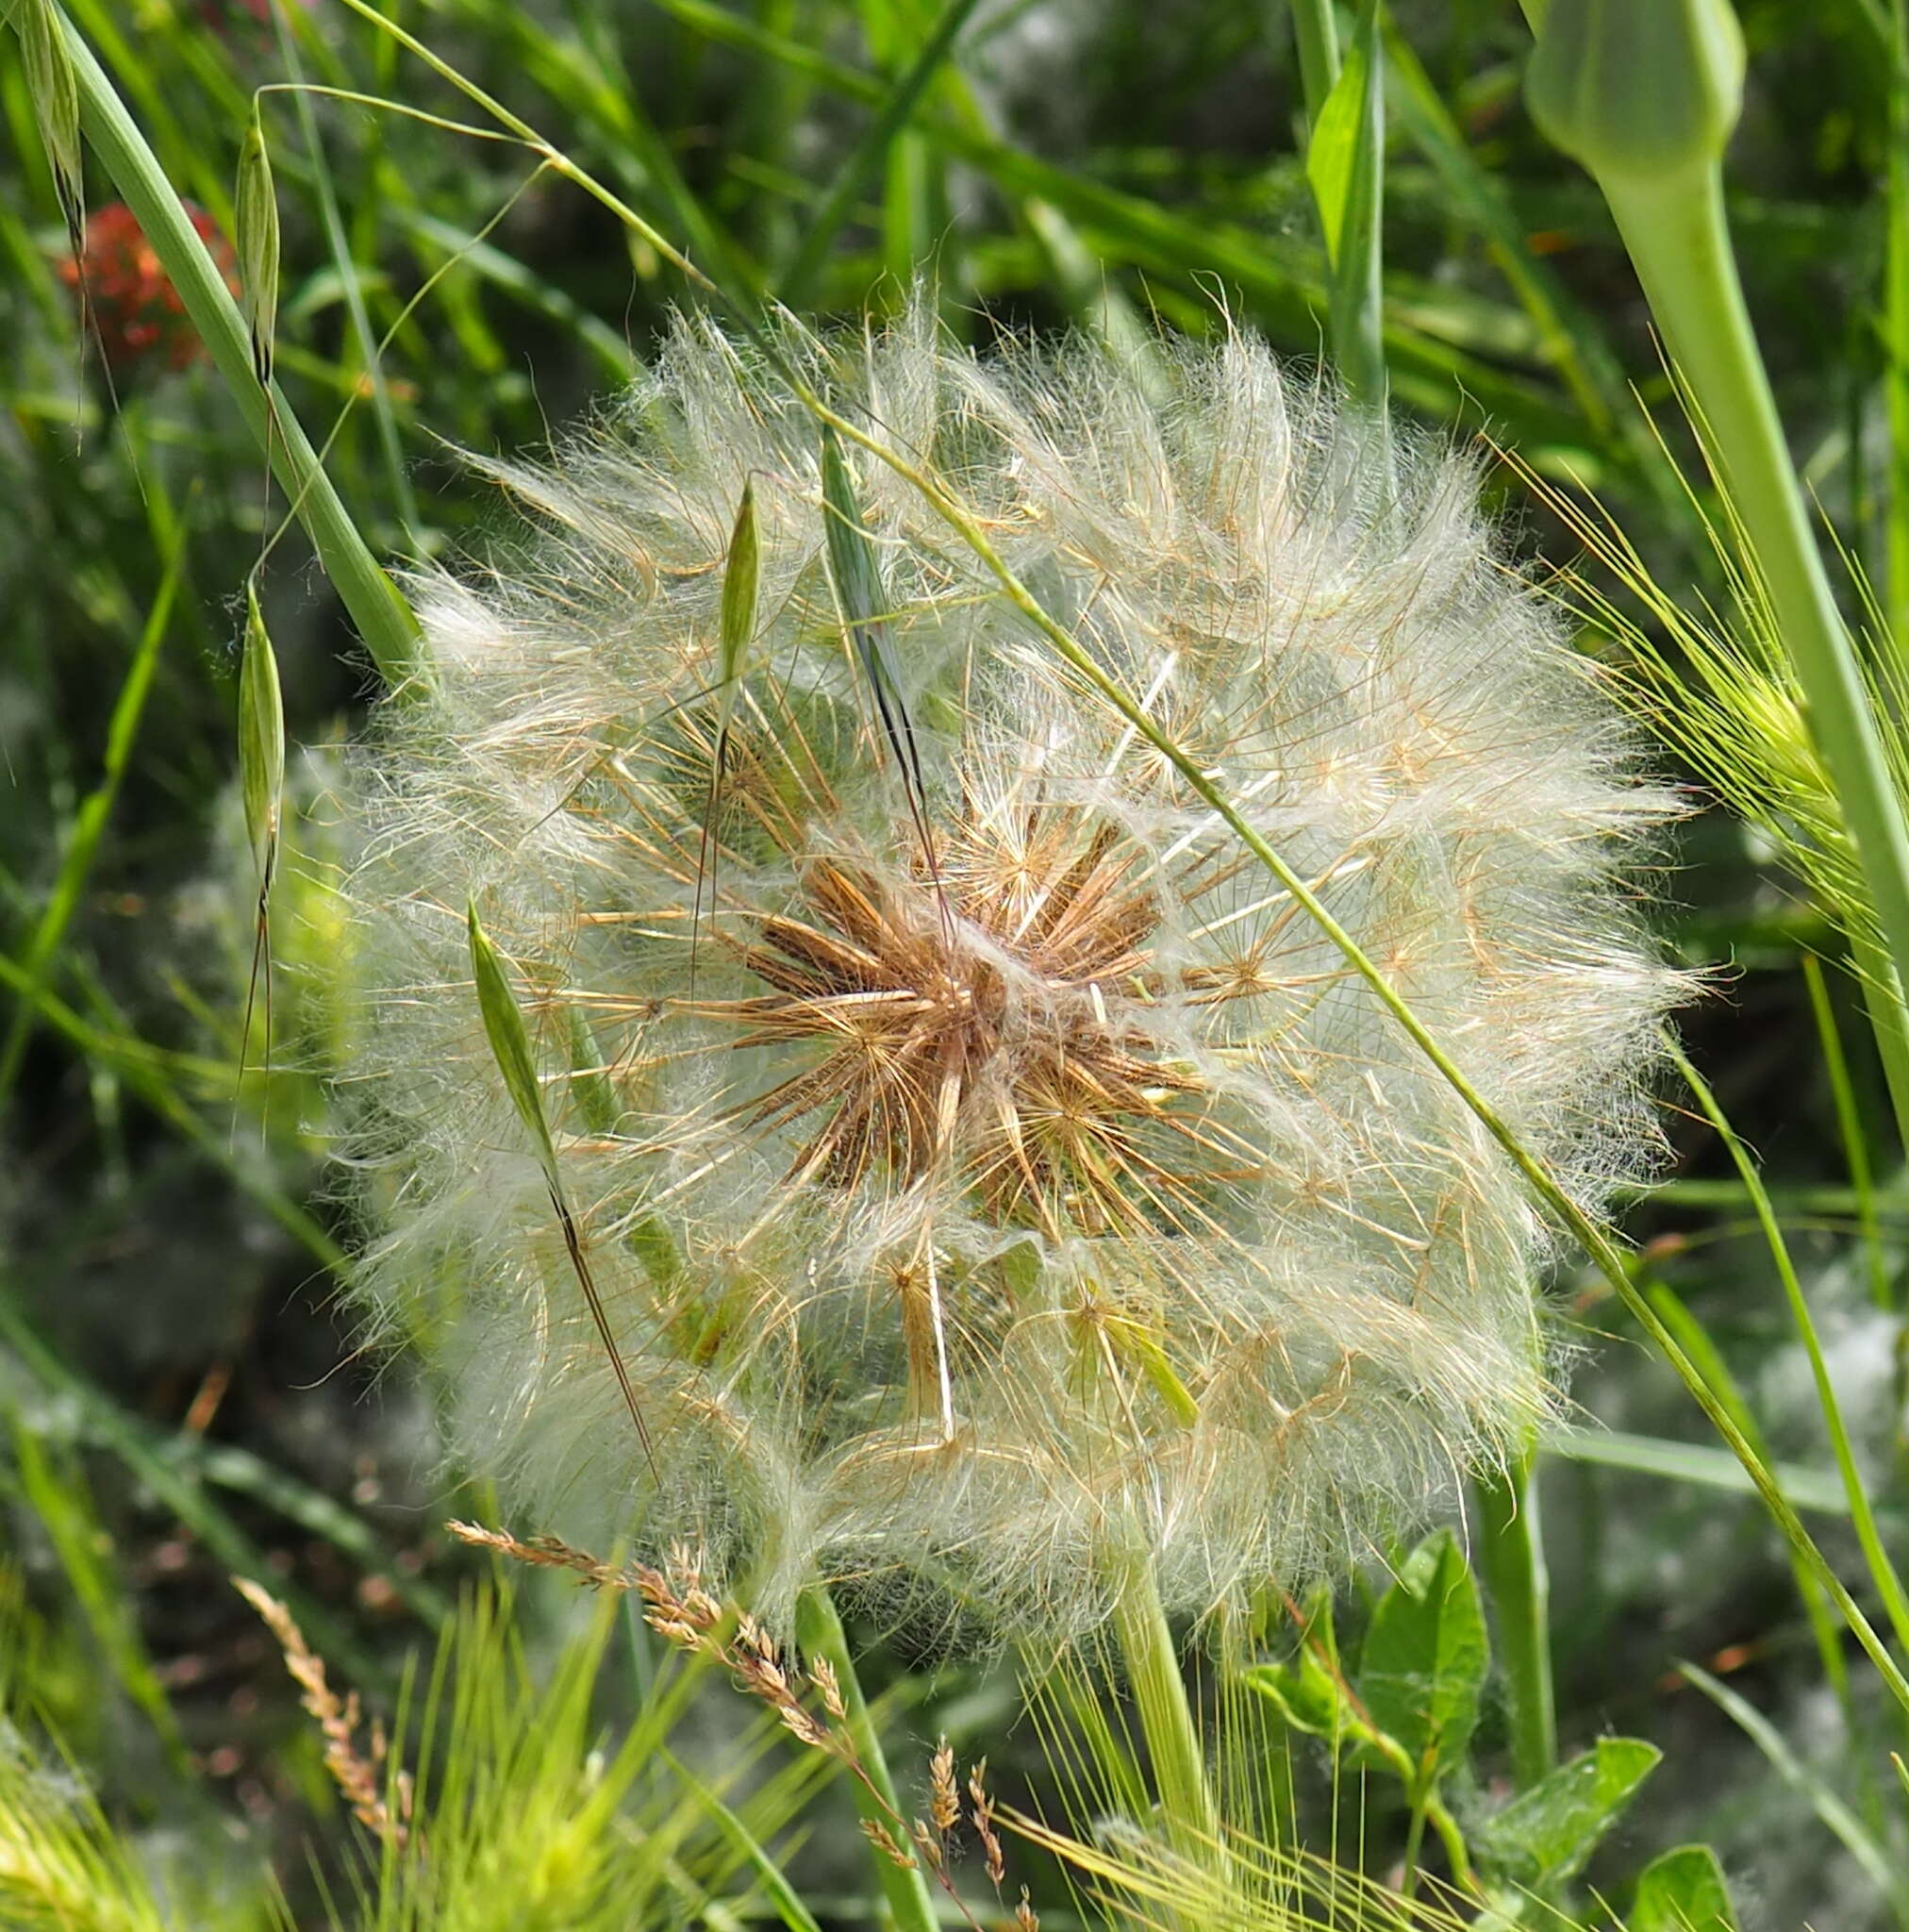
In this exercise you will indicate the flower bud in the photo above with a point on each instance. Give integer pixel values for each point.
(1636, 89)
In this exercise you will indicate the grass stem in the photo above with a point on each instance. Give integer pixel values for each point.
(1166, 1720)
(1511, 1553)
(820, 1633)
(1679, 242)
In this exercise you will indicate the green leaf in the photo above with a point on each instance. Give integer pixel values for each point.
(1547, 1832)
(1683, 1892)
(255, 221)
(1332, 155)
(1345, 164)
(1425, 1656)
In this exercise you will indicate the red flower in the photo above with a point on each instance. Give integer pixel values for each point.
(135, 307)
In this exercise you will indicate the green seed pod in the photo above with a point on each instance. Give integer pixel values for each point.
(54, 92)
(261, 741)
(1636, 89)
(255, 217)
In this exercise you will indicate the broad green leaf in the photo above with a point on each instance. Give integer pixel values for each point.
(1425, 1656)
(1683, 1892)
(255, 221)
(1547, 1832)
(1345, 164)
(1331, 157)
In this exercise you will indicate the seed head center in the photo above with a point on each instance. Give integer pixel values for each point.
(981, 1031)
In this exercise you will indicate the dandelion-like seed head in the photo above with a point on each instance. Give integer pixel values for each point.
(990, 1180)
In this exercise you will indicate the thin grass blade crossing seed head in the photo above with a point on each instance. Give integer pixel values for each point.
(993, 1206)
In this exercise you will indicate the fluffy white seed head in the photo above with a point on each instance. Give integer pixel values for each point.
(974, 1218)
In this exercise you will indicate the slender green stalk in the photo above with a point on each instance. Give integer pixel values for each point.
(818, 1632)
(1511, 1553)
(1317, 34)
(1850, 1128)
(1166, 1720)
(383, 619)
(1882, 1570)
(1679, 242)
(1824, 1629)
(350, 285)
(1895, 327)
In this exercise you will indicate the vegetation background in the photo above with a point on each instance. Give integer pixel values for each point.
(184, 1399)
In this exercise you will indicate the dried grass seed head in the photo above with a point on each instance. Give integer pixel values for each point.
(968, 1216)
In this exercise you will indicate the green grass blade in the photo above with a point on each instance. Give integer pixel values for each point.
(397, 479)
(855, 572)
(1896, 322)
(1696, 1343)
(1570, 339)
(798, 281)
(1850, 1129)
(59, 1499)
(1510, 1554)
(91, 821)
(1345, 164)
(146, 1071)
(1316, 33)
(820, 1634)
(1882, 1570)
(1818, 1491)
(784, 1900)
(178, 1487)
(1883, 1870)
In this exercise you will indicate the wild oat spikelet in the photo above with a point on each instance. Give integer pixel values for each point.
(977, 1213)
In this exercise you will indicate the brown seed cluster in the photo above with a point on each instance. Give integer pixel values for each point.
(958, 1027)
(359, 1772)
